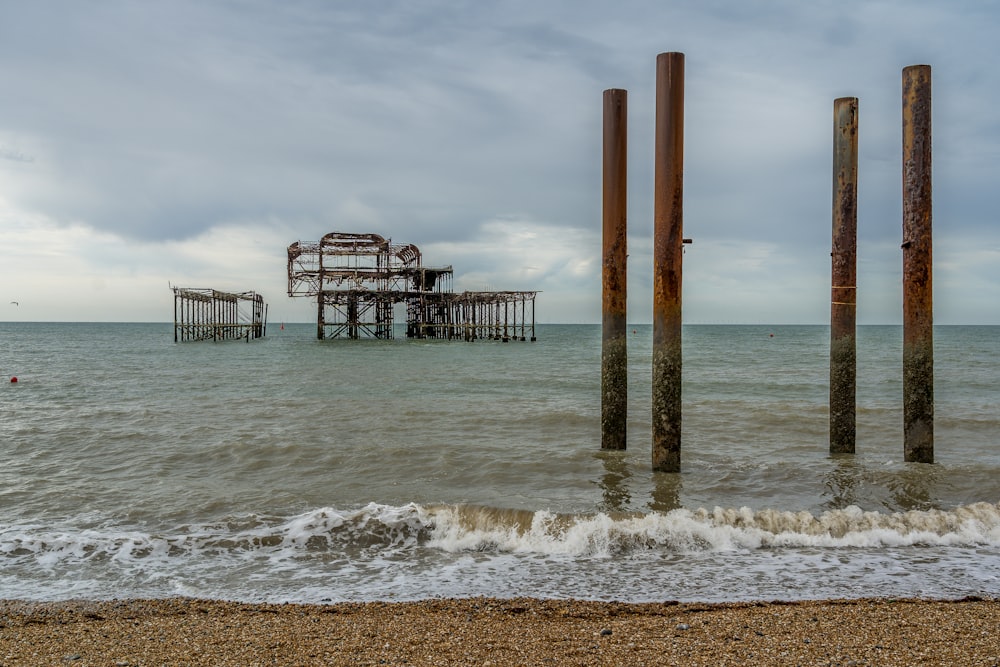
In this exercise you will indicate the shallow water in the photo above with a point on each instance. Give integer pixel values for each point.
(295, 469)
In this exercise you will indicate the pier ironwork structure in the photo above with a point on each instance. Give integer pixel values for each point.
(208, 314)
(358, 279)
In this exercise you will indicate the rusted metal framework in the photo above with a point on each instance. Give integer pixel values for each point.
(470, 316)
(358, 279)
(208, 314)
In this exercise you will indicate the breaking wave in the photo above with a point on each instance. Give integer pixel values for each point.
(362, 533)
(685, 531)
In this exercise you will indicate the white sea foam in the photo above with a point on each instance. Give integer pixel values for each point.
(453, 529)
(412, 551)
(685, 531)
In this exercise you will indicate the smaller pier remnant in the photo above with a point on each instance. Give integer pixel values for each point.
(208, 314)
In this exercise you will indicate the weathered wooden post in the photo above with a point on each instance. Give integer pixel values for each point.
(668, 208)
(614, 339)
(843, 278)
(918, 303)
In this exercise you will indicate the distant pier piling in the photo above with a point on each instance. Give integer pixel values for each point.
(918, 311)
(667, 258)
(614, 340)
(843, 278)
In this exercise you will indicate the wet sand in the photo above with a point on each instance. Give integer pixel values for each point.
(482, 631)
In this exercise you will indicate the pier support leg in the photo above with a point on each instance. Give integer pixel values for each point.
(320, 309)
(667, 256)
(918, 311)
(843, 278)
(614, 341)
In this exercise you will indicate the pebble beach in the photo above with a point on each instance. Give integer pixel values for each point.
(486, 631)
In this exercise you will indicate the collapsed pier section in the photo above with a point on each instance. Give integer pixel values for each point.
(358, 279)
(208, 314)
(469, 316)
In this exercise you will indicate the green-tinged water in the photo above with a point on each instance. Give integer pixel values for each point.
(291, 468)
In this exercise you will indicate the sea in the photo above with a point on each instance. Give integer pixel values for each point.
(291, 469)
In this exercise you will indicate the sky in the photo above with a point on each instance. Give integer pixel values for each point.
(188, 143)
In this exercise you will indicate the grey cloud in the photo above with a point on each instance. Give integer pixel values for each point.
(14, 155)
(174, 129)
(159, 121)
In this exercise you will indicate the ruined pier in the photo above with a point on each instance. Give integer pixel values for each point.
(358, 280)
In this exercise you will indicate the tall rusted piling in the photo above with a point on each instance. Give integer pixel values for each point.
(614, 340)
(668, 241)
(918, 304)
(843, 277)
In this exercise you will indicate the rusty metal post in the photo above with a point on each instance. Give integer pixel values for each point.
(918, 303)
(843, 278)
(668, 209)
(533, 338)
(320, 324)
(614, 339)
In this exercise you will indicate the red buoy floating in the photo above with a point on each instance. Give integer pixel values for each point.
(13, 379)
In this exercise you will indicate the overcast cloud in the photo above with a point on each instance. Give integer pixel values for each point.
(147, 143)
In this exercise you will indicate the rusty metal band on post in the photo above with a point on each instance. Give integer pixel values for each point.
(918, 304)
(614, 341)
(843, 276)
(668, 236)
